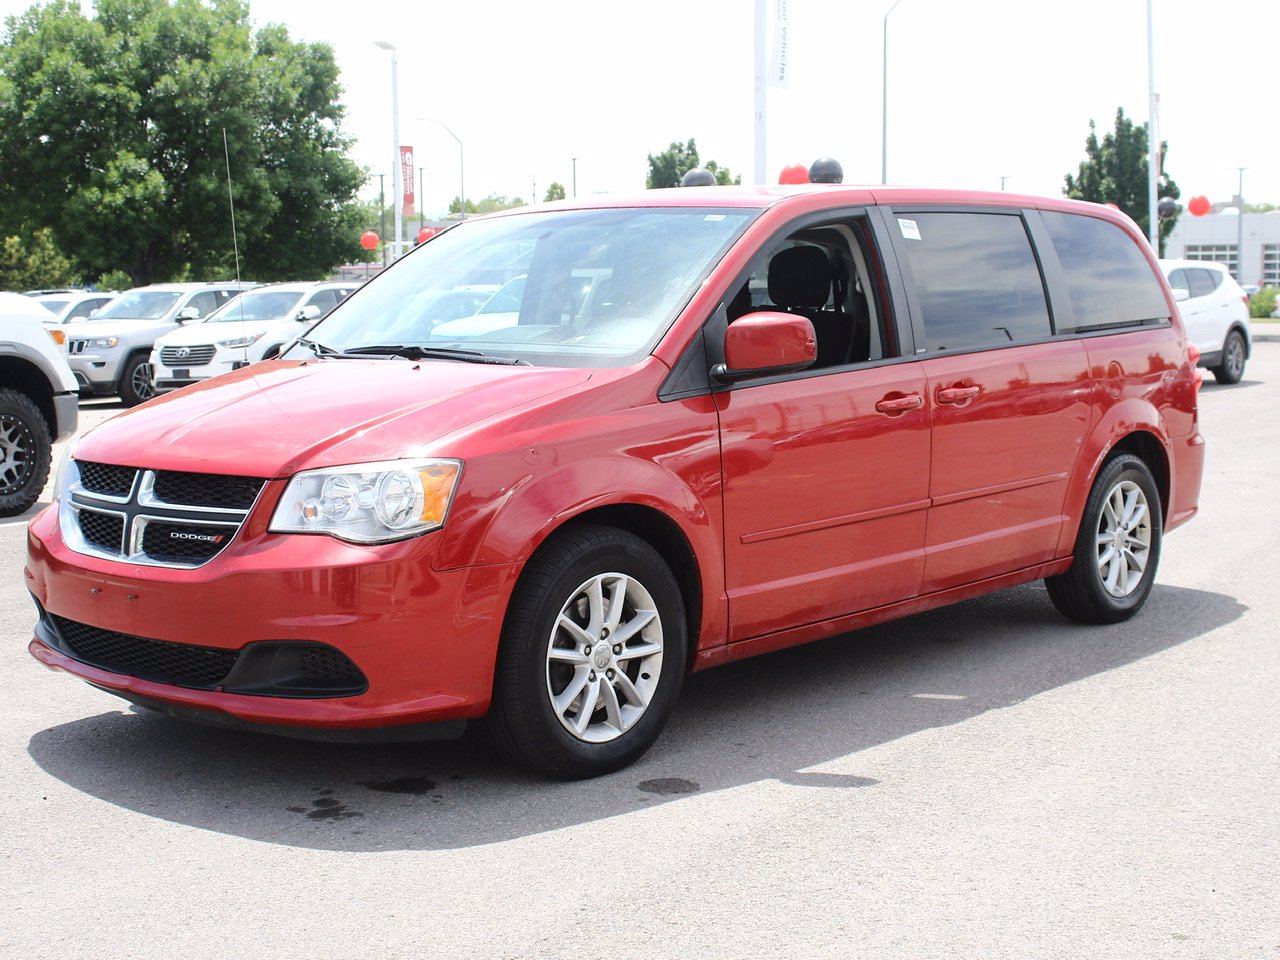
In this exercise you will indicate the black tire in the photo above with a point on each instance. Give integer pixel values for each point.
(551, 645)
(26, 450)
(1231, 370)
(135, 380)
(1123, 509)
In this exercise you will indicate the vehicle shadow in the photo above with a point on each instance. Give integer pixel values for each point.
(773, 717)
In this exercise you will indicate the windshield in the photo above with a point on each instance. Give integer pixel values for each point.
(257, 305)
(579, 288)
(139, 306)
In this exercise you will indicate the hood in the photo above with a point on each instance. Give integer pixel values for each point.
(95, 327)
(275, 418)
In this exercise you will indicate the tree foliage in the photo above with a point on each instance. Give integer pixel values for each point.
(554, 192)
(34, 263)
(668, 168)
(112, 137)
(1115, 171)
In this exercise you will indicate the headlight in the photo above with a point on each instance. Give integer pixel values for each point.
(104, 343)
(66, 473)
(240, 342)
(369, 502)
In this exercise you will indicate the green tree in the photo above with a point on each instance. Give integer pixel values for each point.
(34, 263)
(554, 192)
(112, 136)
(668, 168)
(1115, 171)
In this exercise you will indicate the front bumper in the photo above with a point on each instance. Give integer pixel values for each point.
(424, 640)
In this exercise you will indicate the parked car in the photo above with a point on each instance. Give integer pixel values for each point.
(74, 304)
(111, 354)
(253, 326)
(1215, 311)
(792, 412)
(38, 403)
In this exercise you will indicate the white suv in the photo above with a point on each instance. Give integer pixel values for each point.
(1215, 311)
(253, 326)
(38, 403)
(110, 350)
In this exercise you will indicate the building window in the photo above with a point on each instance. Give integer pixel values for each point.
(1271, 264)
(1224, 253)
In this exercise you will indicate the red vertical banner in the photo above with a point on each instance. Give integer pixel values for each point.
(406, 178)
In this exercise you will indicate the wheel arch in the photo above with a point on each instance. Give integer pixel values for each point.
(28, 379)
(1147, 448)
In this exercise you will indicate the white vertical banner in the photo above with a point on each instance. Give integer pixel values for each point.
(406, 181)
(779, 62)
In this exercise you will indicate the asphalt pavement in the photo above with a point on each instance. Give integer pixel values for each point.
(986, 781)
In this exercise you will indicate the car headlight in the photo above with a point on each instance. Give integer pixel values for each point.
(369, 502)
(240, 342)
(104, 343)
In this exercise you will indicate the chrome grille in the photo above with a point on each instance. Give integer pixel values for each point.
(76, 346)
(187, 356)
(156, 517)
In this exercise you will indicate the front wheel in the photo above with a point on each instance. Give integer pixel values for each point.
(1231, 370)
(1117, 549)
(135, 381)
(592, 655)
(25, 452)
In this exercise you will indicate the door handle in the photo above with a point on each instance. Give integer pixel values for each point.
(957, 394)
(912, 401)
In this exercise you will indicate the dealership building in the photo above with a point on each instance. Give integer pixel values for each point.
(1250, 240)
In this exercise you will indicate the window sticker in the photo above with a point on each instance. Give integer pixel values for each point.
(910, 230)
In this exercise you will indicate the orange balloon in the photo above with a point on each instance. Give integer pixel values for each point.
(794, 173)
(369, 240)
(1199, 206)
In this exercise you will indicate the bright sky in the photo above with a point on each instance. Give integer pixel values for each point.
(981, 92)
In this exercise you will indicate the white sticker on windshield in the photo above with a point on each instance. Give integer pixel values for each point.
(909, 229)
(714, 217)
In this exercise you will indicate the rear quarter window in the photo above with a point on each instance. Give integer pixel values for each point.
(1110, 282)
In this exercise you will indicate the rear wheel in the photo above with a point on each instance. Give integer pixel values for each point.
(135, 381)
(25, 452)
(1231, 370)
(1117, 549)
(592, 655)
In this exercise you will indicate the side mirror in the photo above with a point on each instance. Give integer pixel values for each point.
(762, 344)
(1180, 294)
(309, 312)
(187, 314)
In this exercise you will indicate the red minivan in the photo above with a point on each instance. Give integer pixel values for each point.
(690, 426)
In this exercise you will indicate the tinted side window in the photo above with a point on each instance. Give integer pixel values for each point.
(1203, 282)
(976, 278)
(1178, 281)
(1110, 282)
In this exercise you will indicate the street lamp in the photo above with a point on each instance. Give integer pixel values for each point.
(397, 184)
(462, 183)
(884, 93)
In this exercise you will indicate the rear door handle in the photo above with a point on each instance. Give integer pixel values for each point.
(957, 394)
(912, 401)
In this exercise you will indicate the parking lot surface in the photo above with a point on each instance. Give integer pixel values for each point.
(987, 780)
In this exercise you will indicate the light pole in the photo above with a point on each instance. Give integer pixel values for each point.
(397, 183)
(462, 182)
(575, 176)
(884, 94)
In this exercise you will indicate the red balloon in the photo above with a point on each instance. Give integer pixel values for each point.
(369, 240)
(1199, 206)
(794, 173)
(425, 234)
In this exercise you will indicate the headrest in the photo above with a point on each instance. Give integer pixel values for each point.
(799, 277)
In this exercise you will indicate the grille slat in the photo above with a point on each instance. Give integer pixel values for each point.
(164, 517)
(194, 356)
(183, 665)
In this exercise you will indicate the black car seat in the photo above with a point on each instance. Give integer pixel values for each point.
(800, 283)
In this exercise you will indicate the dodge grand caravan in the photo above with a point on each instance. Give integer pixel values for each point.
(777, 415)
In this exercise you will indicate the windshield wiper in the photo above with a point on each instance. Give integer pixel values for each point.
(319, 349)
(416, 352)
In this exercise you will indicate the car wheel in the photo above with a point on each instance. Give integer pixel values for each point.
(1233, 356)
(592, 655)
(135, 381)
(25, 452)
(1117, 549)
